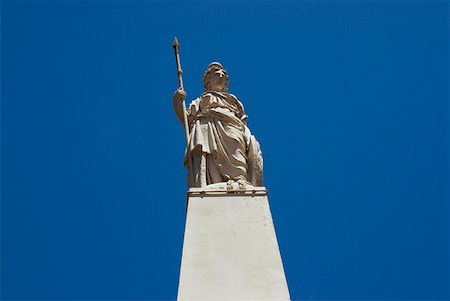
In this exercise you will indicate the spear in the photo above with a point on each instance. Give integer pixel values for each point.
(176, 46)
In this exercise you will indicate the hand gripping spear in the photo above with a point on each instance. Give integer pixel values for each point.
(176, 45)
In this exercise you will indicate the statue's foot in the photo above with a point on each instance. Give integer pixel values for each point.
(242, 184)
(230, 184)
(238, 184)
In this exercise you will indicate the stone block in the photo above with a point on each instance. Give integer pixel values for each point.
(230, 249)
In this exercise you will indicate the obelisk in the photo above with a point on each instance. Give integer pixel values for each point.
(230, 249)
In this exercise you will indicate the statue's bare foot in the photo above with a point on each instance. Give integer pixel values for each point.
(230, 185)
(242, 184)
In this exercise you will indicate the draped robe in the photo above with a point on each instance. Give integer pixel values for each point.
(220, 144)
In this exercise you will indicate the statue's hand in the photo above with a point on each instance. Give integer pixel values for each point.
(179, 95)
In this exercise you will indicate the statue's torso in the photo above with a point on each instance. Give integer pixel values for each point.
(218, 106)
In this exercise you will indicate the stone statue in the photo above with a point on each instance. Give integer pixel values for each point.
(220, 147)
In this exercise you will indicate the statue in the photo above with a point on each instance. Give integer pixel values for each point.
(220, 147)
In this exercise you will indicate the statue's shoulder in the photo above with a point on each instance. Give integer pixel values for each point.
(238, 102)
(233, 96)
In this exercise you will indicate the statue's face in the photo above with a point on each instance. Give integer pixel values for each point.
(218, 79)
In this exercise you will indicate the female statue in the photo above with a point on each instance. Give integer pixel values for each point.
(220, 146)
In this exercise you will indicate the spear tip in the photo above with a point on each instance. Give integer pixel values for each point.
(175, 43)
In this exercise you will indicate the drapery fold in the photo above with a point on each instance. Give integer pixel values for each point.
(219, 140)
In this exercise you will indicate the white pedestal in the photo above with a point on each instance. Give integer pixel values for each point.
(230, 250)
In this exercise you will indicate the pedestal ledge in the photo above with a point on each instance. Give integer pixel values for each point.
(222, 190)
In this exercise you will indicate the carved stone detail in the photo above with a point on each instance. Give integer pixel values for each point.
(220, 146)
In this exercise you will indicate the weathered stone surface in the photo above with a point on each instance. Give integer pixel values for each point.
(220, 146)
(230, 249)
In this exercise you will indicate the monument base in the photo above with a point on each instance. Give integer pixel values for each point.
(230, 250)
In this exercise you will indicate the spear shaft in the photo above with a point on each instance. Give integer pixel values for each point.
(176, 46)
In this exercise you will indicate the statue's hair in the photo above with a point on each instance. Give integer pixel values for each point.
(207, 76)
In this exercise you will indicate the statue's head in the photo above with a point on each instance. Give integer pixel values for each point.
(215, 78)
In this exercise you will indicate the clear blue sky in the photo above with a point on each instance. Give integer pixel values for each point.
(349, 100)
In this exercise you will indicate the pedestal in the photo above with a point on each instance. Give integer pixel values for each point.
(230, 250)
